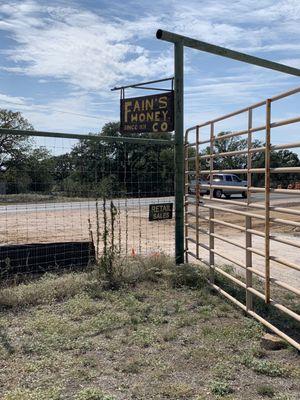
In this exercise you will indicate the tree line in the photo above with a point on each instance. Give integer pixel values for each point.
(93, 164)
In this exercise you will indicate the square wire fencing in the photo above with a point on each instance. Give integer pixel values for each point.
(68, 195)
(242, 208)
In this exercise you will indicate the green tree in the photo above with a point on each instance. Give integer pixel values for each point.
(132, 168)
(281, 158)
(13, 148)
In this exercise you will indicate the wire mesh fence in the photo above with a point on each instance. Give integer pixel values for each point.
(59, 194)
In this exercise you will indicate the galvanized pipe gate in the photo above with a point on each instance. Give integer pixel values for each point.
(183, 238)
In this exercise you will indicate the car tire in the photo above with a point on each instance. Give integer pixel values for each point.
(218, 193)
(244, 195)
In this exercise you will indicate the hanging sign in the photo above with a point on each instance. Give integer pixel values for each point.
(161, 211)
(153, 113)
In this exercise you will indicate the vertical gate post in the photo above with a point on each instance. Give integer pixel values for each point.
(179, 154)
(267, 200)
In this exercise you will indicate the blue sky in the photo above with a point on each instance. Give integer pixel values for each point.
(60, 58)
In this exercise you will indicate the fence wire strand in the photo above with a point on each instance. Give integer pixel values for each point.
(51, 203)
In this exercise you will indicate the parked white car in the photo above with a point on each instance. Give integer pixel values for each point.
(233, 182)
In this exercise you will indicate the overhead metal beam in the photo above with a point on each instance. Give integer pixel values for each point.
(123, 139)
(137, 85)
(224, 52)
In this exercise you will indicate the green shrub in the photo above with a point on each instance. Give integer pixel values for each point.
(93, 394)
(220, 388)
(266, 391)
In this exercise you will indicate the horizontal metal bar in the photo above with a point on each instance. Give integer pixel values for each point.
(243, 213)
(122, 139)
(219, 171)
(244, 131)
(256, 251)
(234, 226)
(257, 216)
(283, 122)
(261, 275)
(240, 133)
(224, 239)
(228, 224)
(281, 170)
(252, 205)
(290, 211)
(189, 239)
(276, 304)
(275, 281)
(285, 241)
(273, 328)
(230, 277)
(252, 290)
(277, 170)
(217, 253)
(239, 188)
(285, 222)
(285, 263)
(285, 146)
(224, 52)
(191, 254)
(224, 154)
(286, 94)
(285, 191)
(151, 88)
(255, 189)
(204, 246)
(228, 202)
(257, 293)
(226, 116)
(246, 109)
(141, 84)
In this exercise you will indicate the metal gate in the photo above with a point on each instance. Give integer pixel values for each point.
(259, 234)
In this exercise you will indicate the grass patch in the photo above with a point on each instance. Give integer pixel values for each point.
(220, 388)
(266, 391)
(47, 289)
(160, 336)
(266, 367)
(93, 394)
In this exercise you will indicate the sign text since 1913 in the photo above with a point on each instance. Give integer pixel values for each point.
(153, 113)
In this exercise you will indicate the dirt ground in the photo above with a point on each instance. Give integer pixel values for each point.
(132, 229)
(66, 338)
(287, 252)
(136, 235)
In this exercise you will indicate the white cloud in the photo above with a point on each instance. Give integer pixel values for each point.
(77, 46)
(90, 51)
(74, 113)
(93, 51)
(5, 99)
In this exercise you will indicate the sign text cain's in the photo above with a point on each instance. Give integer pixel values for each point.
(153, 113)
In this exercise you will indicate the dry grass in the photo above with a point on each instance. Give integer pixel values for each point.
(162, 335)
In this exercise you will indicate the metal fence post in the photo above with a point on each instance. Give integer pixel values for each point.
(267, 200)
(179, 154)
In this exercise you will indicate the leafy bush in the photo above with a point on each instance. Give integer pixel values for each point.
(220, 388)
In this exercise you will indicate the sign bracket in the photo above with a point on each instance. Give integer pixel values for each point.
(142, 85)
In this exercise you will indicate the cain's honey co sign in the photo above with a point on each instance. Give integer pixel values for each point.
(153, 113)
(161, 211)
